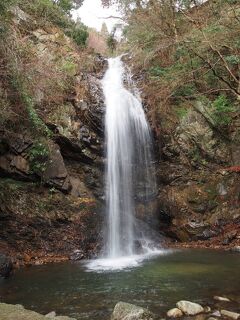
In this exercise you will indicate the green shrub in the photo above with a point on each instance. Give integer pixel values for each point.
(157, 71)
(37, 123)
(5, 5)
(221, 110)
(39, 157)
(57, 13)
(79, 34)
(181, 112)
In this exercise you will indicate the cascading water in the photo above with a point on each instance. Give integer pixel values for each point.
(128, 144)
(129, 169)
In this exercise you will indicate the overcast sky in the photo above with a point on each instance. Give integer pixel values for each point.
(91, 13)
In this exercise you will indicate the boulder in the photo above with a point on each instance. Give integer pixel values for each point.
(190, 308)
(127, 311)
(230, 314)
(56, 173)
(174, 313)
(6, 266)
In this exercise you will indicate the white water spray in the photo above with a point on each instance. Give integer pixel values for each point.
(129, 170)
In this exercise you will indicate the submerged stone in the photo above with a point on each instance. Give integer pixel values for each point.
(190, 308)
(127, 311)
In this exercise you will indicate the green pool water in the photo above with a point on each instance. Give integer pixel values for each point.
(157, 283)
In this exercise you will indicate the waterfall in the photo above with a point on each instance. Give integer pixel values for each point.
(129, 173)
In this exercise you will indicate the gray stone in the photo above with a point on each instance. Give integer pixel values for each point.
(216, 314)
(230, 314)
(174, 313)
(190, 308)
(127, 311)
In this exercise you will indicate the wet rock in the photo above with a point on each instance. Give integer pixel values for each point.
(207, 309)
(212, 318)
(174, 313)
(127, 311)
(236, 249)
(230, 236)
(6, 266)
(230, 314)
(190, 308)
(77, 255)
(218, 298)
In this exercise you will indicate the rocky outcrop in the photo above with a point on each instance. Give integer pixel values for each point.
(15, 162)
(18, 312)
(39, 225)
(51, 166)
(198, 192)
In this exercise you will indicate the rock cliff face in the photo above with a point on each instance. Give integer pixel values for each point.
(199, 185)
(52, 161)
(51, 185)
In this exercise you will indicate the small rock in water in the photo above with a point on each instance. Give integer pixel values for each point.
(51, 315)
(236, 249)
(127, 311)
(174, 313)
(207, 309)
(230, 314)
(221, 298)
(216, 314)
(212, 318)
(190, 308)
(77, 255)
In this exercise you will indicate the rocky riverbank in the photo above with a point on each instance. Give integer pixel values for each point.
(220, 308)
(18, 312)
